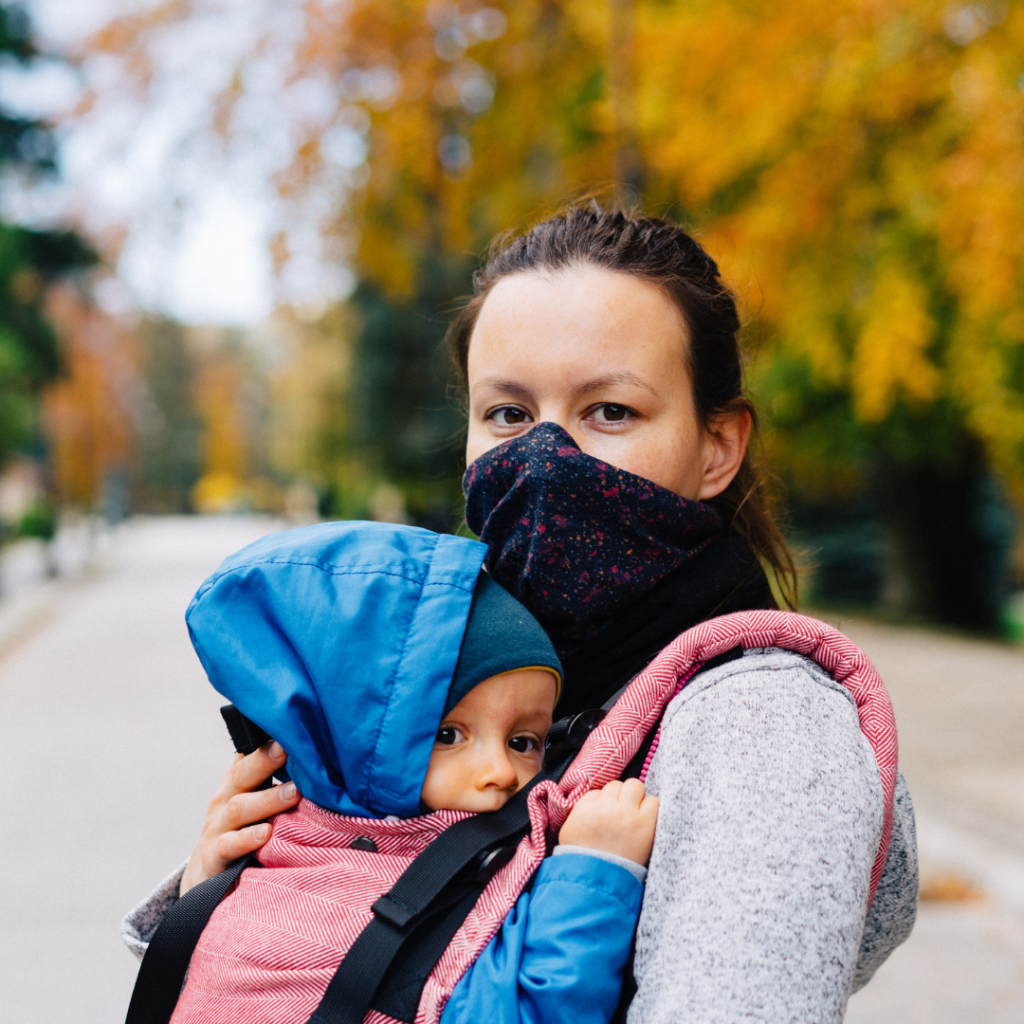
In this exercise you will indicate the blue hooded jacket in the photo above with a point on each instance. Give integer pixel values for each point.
(340, 641)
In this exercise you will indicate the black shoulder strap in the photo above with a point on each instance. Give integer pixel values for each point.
(413, 901)
(246, 735)
(165, 964)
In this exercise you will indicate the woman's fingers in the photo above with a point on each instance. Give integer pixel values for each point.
(232, 845)
(235, 820)
(248, 772)
(247, 808)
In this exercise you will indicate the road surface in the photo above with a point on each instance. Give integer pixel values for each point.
(111, 746)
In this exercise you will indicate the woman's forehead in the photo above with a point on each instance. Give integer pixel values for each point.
(586, 319)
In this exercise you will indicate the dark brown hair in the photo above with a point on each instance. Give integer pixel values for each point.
(667, 256)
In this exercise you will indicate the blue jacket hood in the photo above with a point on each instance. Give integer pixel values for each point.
(340, 641)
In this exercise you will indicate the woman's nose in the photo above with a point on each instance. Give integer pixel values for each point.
(566, 422)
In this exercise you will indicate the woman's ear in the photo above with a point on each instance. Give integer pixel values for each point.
(725, 444)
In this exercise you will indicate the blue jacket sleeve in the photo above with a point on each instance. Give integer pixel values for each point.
(560, 954)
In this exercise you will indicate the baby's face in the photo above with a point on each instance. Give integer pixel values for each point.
(491, 743)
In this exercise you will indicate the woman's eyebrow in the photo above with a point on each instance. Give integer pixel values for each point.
(507, 387)
(611, 379)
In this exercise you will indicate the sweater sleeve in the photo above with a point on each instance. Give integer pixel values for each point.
(139, 925)
(771, 814)
(560, 953)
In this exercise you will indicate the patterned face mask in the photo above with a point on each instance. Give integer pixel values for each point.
(573, 538)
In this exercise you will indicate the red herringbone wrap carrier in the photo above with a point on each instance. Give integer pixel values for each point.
(272, 946)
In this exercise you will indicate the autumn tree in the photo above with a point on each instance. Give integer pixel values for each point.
(31, 263)
(91, 411)
(856, 168)
(168, 425)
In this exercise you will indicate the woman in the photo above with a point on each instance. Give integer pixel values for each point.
(609, 476)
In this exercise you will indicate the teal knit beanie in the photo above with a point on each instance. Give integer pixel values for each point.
(501, 636)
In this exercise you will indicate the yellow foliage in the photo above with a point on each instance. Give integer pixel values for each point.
(890, 354)
(856, 166)
(216, 493)
(218, 400)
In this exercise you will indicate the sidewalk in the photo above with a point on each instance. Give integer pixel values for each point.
(111, 746)
(35, 576)
(960, 712)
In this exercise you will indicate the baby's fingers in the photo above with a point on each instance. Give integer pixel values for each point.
(632, 792)
(647, 815)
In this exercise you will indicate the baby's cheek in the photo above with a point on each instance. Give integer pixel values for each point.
(446, 784)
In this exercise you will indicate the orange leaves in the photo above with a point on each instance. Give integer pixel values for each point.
(89, 413)
(865, 164)
(124, 34)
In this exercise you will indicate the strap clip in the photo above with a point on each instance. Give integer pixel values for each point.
(396, 914)
(569, 734)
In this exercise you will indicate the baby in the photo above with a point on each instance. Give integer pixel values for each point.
(406, 687)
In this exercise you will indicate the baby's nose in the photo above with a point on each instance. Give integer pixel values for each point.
(498, 772)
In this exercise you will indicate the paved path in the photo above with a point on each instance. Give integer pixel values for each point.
(110, 746)
(960, 712)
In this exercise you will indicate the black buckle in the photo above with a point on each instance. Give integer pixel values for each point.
(569, 734)
(492, 861)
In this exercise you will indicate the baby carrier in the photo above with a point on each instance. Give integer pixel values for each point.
(458, 875)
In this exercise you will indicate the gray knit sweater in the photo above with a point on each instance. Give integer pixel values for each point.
(771, 811)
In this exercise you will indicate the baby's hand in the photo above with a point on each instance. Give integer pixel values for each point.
(618, 819)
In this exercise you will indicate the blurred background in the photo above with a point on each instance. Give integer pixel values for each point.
(231, 236)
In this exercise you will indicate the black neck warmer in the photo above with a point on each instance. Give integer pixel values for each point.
(613, 566)
(725, 577)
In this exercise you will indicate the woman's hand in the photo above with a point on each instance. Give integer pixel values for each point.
(229, 831)
(618, 819)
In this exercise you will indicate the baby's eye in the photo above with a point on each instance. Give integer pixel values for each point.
(508, 416)
(448, 736)
(523, 744)
(611, 413)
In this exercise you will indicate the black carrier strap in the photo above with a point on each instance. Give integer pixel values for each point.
(246, 735)
(165, 964)
(445, 877)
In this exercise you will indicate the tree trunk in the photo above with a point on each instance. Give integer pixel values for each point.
(947, 540)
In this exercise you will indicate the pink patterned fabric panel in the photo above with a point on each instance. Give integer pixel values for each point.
(272, 946)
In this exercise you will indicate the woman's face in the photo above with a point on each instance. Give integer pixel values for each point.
(604, 355)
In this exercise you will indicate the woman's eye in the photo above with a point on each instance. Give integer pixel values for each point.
(509, 416)
(448, 736)
(523, 744)
(610, 413)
